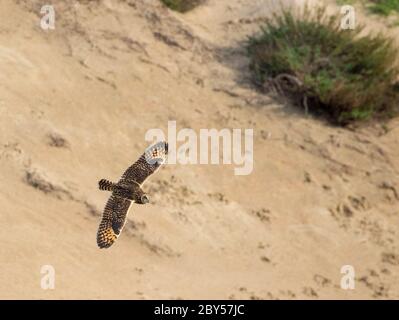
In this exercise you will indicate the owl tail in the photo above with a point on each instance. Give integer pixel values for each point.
(106, 185)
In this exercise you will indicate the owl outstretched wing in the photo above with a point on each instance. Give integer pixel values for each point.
(149, 162)
(117, 207)
(113, 220)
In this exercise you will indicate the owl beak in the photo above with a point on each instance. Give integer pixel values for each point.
(145, 199)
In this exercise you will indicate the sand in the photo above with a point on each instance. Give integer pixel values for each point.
(75, 104)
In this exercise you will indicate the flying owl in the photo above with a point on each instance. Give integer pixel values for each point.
(127, 191)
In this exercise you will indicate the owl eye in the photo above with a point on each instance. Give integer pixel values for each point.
(145, 199)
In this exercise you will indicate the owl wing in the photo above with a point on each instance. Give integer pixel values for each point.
(113, 220)
(149, 162)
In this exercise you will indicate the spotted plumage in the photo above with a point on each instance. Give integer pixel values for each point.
(127, 191)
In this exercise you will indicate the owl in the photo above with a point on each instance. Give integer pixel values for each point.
(127, 191)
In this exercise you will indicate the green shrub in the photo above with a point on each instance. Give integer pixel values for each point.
(330, 70)
(384, 7)
(181, 5)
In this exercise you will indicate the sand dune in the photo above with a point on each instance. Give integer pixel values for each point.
(75, 103)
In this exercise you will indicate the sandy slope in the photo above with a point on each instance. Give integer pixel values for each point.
(319, 197)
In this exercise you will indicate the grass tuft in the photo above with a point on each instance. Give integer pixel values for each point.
(384, 7)
(182, 5)
(328, 70)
